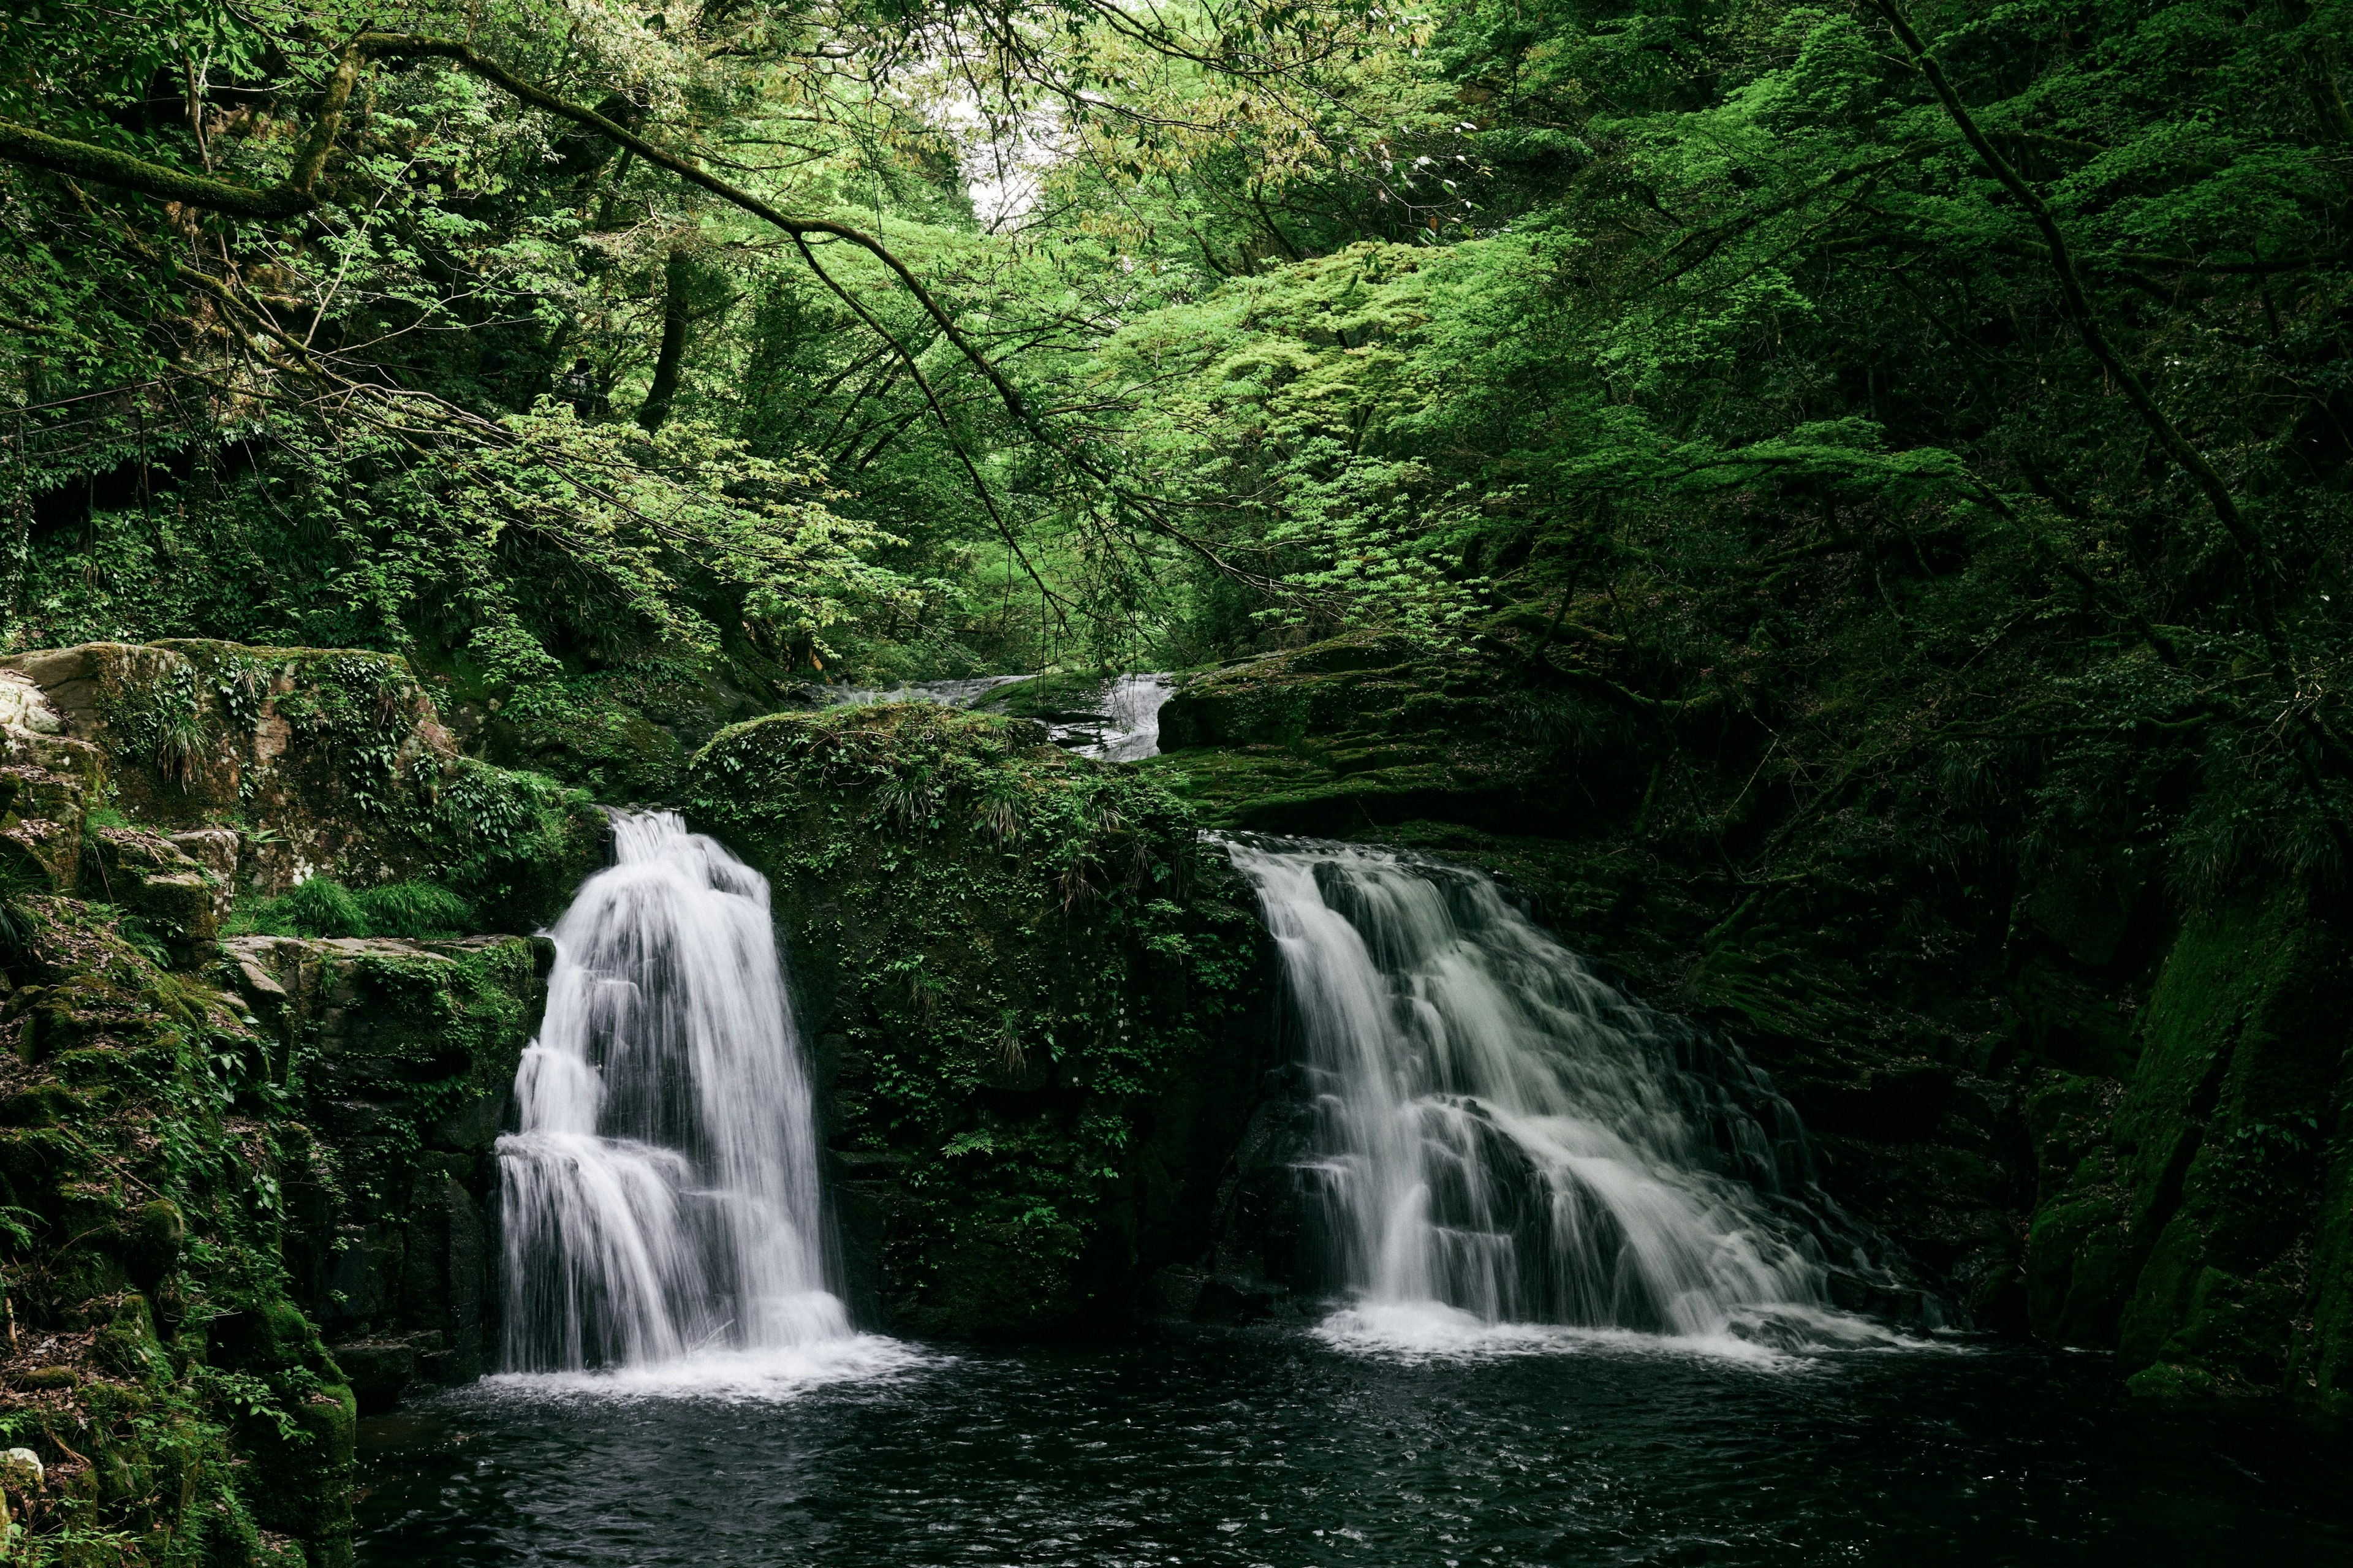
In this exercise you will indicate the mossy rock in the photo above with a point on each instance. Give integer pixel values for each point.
(2183, 1231)
(324, 760)
(1370, 729)
(1033, 988)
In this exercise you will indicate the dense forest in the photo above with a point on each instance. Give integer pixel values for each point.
(1953, 401)
(1843, 508)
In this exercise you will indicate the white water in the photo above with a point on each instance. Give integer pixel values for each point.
(1123, 726)
(1128, 728)
(1504, 1139)
(961, 693)
(662, 1200)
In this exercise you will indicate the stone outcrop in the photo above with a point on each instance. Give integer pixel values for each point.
(2193, 1210)
(172, 1391)
(212, 1148)
(1033, 997)
(409, 1051)
(1368, 730)
(320, 761)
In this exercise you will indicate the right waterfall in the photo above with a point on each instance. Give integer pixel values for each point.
(1499, 1132)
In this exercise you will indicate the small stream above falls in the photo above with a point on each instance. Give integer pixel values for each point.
(1114, 719)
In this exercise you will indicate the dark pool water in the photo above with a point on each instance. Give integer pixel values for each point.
(1268, 1446)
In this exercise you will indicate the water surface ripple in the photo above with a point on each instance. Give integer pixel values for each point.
(1212, 1449)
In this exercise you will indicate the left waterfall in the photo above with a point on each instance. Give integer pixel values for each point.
(660, 1196)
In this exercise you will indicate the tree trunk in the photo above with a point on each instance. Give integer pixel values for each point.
(673, 342)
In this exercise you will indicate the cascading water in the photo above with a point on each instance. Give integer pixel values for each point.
(1503, 1138)
(1127, 729)
(662, 1195)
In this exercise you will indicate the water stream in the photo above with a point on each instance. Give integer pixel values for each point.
(1587, 1320)
(662, 1195)
(1126, 728)
(1503, 1139)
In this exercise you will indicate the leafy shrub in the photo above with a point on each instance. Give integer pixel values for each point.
(319, 906)
(324, 907)
(415, 908)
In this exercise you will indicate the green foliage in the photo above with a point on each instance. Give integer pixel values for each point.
(415, 908)
(320, 906)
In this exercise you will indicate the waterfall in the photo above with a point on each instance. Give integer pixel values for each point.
(1501, 1137)
(1128, 728)
(660, 1196)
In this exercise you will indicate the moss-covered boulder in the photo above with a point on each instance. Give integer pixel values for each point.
(2191, 1214)
(406, 1054)
(49, 783)
(212, 1149)
(1031, 990)
(1372, 729)
(181, 1405)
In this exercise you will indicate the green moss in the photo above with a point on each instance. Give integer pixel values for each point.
(328, 761)
(1019, 956)
(1369, 730)
(151, 1228)
(590, 738)
(2184, 1235)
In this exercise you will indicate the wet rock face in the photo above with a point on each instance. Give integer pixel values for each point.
(178, 899)
(1369, 729)
(2193, 1212)
(48, 785)
(412, 1047)
(133, 1158)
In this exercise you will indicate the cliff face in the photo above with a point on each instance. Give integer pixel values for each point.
(1033, 998)
(243, 1178)
(2193, 1209)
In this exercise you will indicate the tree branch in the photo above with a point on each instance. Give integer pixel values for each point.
(104, 166)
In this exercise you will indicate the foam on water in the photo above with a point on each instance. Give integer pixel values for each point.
(1432, 1331)
(732, 1377)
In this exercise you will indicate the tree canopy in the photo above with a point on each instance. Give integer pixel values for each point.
(1900, 384)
